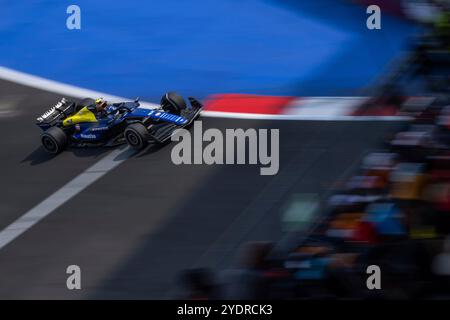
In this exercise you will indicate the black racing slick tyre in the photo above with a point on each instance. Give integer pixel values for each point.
(54, 140)
(173, 103)
(136, 135)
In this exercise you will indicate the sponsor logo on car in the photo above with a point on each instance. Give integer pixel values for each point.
(172, 118)
(167, 117)
(88, 136)
(99, 129)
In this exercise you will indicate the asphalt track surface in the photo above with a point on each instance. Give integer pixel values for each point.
(133, 230)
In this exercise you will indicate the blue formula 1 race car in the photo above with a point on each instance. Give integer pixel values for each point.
(97, 123)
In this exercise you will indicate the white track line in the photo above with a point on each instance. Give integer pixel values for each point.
(58, 87)
(64, 194)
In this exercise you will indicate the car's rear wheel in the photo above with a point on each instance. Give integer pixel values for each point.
(173, 103)
(136, 135)
(54, 140)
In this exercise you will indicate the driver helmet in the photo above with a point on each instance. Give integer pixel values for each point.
(100, 104)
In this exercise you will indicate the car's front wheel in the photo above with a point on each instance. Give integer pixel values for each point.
(173, 103)
(136, 135)
(54, 140)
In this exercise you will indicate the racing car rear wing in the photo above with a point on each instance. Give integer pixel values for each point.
(59, 111)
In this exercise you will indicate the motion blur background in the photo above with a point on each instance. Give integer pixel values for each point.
(204, 47)
(355, 188)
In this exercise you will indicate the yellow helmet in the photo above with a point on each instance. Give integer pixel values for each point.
(100, 104)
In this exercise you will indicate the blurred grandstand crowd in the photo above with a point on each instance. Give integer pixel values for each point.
(394, 212)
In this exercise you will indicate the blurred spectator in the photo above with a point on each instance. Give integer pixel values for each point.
(199, 284)
(394, 211)
(248, 281)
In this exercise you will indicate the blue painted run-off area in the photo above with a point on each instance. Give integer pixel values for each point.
(144, 48)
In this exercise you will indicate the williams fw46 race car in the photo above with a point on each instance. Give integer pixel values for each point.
(97, 123)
